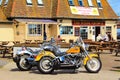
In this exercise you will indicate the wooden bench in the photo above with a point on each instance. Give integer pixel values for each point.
(117, 49)
(8, 48)
(106, 46)
(64, 45)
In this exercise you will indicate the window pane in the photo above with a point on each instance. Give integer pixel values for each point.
(40, 2)
(99, 3)
(118, 33)
(84, 32)
(108, 28)
(90, 3)
(29, 2)
(66, 30)
(0, 2)
(80, 2)
(35, 29)
(71, 3)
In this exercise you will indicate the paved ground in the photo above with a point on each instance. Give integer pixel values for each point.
(109, 71)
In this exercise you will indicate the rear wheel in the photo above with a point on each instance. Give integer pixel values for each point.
(23, 65)
(45, 65)
(93, 65)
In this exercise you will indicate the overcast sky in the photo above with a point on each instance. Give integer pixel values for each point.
(115, 4)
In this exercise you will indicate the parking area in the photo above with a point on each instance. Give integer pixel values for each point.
(110, 71)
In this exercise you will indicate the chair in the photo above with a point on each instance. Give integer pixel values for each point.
(28, 41)
(37, 41)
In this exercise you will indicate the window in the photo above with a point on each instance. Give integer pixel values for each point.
(80, 2)
(0, 2)
(66, 29)
(71, 3)
(35, 29)
(77, 31)
(40, 2)
(6, 2)
(84, 32)
(99, 3)
(90, 3)
(29, 2)
(118, 33)
(108, 29)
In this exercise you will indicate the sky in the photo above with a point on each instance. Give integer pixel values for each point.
(115, 4)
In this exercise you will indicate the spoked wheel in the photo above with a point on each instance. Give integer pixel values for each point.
(93, 65)
(23, 64)
(45, 65)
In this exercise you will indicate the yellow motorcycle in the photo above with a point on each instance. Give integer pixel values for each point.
(52, 58)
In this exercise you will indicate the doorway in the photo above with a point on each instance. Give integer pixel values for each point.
(97, 31)
(44, 33)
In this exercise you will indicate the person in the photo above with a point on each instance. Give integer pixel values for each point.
(99, 38)
(58, 39)
(45, 35)
(106, 37)
(110, 37)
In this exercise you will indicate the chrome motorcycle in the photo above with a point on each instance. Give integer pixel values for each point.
(52, 58)
(24, 58)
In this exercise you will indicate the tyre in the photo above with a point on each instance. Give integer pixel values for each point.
(93, 65)
(23, 65)
(45, 65)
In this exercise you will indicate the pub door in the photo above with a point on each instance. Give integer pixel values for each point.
(97, 31)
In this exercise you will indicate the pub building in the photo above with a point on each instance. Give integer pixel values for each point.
(67, 18)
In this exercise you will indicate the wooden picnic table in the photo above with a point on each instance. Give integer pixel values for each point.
(107, 46)
(97, 46)
(8, 48)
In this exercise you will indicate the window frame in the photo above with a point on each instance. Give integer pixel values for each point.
(40, 2)
(66, 29)
(85, 35)
(118, 33)
(71, 2)
(29, 2)
(36, 29)
(80, 2)
(108, 28)
(90, 3)
(99, 3)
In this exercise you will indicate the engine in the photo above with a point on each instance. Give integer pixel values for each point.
(71, 59)
(67, 61)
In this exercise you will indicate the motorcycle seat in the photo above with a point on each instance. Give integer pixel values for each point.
(60, 53)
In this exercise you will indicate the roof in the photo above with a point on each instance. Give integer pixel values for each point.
(57, 9)
(3, 18)
(64, 11)
(2, 15)
(19, 8)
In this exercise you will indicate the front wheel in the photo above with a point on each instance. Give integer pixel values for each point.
(93, 65)
(45, 65)
(23, 65)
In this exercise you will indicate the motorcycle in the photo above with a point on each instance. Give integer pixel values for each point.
(24, 58)
(52, 58)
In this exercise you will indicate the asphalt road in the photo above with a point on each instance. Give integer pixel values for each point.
(110, 71)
